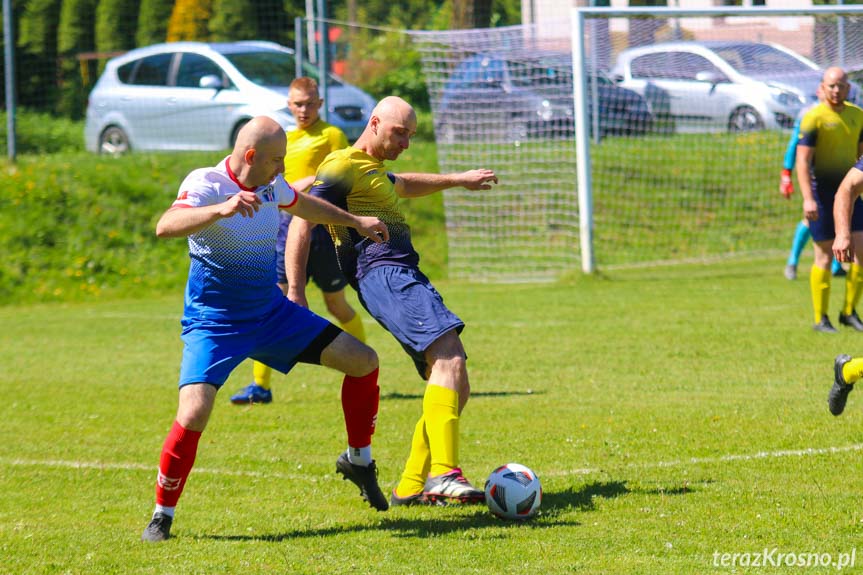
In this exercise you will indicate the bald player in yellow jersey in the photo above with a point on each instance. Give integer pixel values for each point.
(397, 294)
(307, 147)
(831, 140)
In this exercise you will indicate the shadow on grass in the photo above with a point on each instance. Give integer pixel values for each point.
(584, 498)
(473, 394)
(554, 506)
(480, 518)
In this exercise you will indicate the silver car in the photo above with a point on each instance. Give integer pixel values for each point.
(196, 96)
(721, 85)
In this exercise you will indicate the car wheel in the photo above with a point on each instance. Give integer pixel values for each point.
(236, 132)
(114, 141)
(745, 119)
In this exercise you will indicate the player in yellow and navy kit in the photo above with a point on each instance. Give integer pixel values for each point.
(396, 293)
(831, 140)
(233, 310)
(307, 147)
(786, 188)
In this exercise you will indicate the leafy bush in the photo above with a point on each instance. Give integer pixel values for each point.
(80, 226)
(41, 133)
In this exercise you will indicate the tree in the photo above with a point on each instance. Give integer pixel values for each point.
(75, 35)
(116, 21)
(469, 14)
(189, 20)
(233, 20)
(36, 57)
(276, 19)
(153, 21)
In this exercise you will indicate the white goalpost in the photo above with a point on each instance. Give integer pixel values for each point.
(627, 137)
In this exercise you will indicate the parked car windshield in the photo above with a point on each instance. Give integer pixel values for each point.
(761, 59)
(537, 74)
(270, 67)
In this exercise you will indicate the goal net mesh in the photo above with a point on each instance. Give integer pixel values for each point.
(686, 141)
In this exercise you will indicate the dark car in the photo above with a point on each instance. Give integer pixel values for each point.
(512, 97)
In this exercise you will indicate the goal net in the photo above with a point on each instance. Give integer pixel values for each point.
(684, 121)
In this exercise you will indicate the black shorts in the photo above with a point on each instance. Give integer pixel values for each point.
(323, 266)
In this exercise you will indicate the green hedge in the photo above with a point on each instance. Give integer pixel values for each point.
(80, 226)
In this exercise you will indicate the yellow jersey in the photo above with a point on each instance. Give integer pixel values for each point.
(360, 184)
(307, 148)
(835, 137)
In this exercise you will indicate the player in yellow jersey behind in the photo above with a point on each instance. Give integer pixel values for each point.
(307, 146)
(831, 140)
(397, 294)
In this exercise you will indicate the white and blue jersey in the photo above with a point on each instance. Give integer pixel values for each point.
(233, 269)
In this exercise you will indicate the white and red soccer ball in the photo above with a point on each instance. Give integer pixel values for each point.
(513, 491)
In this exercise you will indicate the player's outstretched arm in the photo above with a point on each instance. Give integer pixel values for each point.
(180, 221)
(843, 204)
(320, 211)
(415, 185)
(303, 184)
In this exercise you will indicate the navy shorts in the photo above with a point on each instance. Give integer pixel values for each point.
(213, 349)
(322, 267)
(407, 305)
(824, 228)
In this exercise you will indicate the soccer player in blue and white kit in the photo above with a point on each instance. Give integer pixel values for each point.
(234, 310)
(847, 247)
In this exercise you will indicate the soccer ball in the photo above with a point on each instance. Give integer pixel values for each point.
(512, 491)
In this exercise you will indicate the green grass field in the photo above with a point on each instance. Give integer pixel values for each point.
(673, 414)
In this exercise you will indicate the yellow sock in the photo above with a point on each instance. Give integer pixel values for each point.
(853, 283)
(419, 462)
(819, 283)
(440, 409)
(261, 373)
(354, 326)
(852, 370)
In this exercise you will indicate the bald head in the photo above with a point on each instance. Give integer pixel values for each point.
(260, 130)
(835, 86)
(259, 152)
(392, 124)
(394, 109)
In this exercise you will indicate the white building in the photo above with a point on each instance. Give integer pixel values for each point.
(552, 18)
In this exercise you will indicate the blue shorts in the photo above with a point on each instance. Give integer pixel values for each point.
(322, 267)
(407, 305)
(824, 228)
(213, 349)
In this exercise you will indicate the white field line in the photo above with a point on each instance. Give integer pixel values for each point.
(65, 464)
(808, 452)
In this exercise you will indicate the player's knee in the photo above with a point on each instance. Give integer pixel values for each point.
(366, 359)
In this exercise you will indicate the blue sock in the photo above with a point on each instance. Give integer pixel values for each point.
(801, 236)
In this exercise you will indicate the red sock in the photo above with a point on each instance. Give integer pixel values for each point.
(360, 396)
(178, 456)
